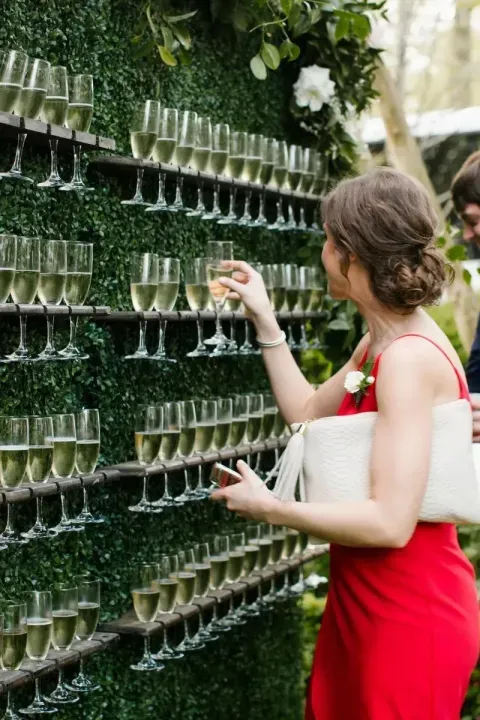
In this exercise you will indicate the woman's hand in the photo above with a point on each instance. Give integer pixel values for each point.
(247, 284)
(249, 498)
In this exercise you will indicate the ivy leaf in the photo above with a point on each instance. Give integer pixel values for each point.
(183, 35)
(467, 276)
(270, 55)
(289, 49)
(179, 18)
(361, 26)
(342, 28)
(302, 26)
(144, 49)
(168, 39)
(184, 57)
(286, 6)
(166, 56)
(258, 68)
(456, 253)
(294, 16)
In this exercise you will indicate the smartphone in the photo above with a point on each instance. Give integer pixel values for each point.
(222, 476)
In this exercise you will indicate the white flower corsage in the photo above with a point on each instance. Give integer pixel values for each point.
(357, 382)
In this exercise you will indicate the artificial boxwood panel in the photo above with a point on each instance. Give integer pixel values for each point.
(253, 671)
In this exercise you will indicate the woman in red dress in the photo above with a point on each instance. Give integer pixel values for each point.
(400, 633)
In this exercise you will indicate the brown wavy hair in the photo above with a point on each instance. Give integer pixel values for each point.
(465, 187)
(387, 220)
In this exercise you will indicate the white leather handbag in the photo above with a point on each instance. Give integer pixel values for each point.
(330, 459)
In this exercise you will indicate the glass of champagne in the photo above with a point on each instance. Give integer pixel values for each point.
(320, 185)
(224, 423)
(87, 423)
(240, 404)
(236, 559)
(188, 420)
(267, 273)
(165, 299)
(148, 437)
(79, 119)
(29, 104)
(247, 347)
(8, 262)
(252, 536)
(217, 165)
(144, 127)
(51, 287)
(316, 303)
(88, 616)
(233, 305)
(146, 601)
(198, 296)
(305, 283)
(38, 637)
(187, 582)
(206, 412)
(268, 420)
(54, 112)
(255, 417)
(269, 154)
(202, 586)
(187, 129)
(291, 540)
(279, 177)
(168, 582)
(13, 66)
(143, 290)
(234, 169)
(292, 298)
(251, 172)
(24, 287)
(279, 290)
(278, 534)
(218, 253)
(39, 467)
(306, 185)
(65, 620)
(77, 285)
(63, 466)
(264, 541)
(295, 173)
(219, 551)
(163, 152)
(302, 545)
(200, 160)
(14, 642)
(168, 448)
(13, 464)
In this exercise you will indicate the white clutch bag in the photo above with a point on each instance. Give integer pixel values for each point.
(330, 459)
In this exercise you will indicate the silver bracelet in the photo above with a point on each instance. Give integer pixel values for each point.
(273, 343)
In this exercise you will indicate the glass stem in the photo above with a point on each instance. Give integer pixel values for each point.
(200, 332)
(161, 337)
(53, 159)
(218, 323)
(145, 500)
(142, 348)
(38, 695)
(216, 200)
(233, 199)
(60, 677)
(291, 339)
(50, 329)
(39, 518)
(9, 526)
(303, 333)
(77, 168)
(200, 203)
(261, 213)
(73, 332)
(63, 505)
(247, 342)
(186, 630)
(138, 189)
(248, 199)
(85, 509)
(166, 494)
(188, 488)
(146, 647)
(291, 214)
(244, 599)
(23, 334)
(233, 329)
(165, 645)
(10, 710)
(179, 191)
(161, 190)
(17, 163)
(200, 478)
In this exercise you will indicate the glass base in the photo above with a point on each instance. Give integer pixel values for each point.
(145, 507)
(68, 526)
(249, 611)
(212, 216)
(38, 532)
(198, 352)
(38, 708)
(185, 498)
(12, 537)
(178, 207)
(50, 354)
(86, 518)
(191, 645)
(52, 182)
(73, 353)
(62, 696)
(216, 626)
(138, 356)
(139, 203)
(169, 653)
(246, 350)
(148, 665)
(15, 175)
(77, 187)
(161, 357)
(206, 636)
(198, 212)
(157, 208)
(21, 356)
(10, 715)
(165, 502)
(228, 220)
(82, 684)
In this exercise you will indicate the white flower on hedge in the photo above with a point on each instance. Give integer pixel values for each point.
(314, 88)
(353, 381)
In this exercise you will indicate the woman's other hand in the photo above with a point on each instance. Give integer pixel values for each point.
(247, 284)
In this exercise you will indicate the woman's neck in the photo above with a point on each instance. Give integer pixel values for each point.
(385, 325)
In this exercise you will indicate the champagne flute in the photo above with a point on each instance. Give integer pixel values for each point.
(187, 127)
(63, 466)
(146, 600)
(144, 127)
(200, 160)
(14, 641)
(148, 437)
(29, 104)
(218, 253)
(295, 170)
(79, 118)
(87, 423)
(188, 421)
(165, 299)
(163, 152)
(217, 165)
(198, 296)
(25, 286)
(292, 297)
(239, 420)
(255, 418)
(306, 283)
(278, 534)
(65, 621)
(206, 413)
(224, 423)
(187, 583)
(269, 154)
(219, 551)
(39, 624)
(291, 540)
(143, 290)
(247, 347)
(252, 534)
(13, 66)
(264, 542)
(268, 420)
(236, 559)
(202, 586)
(279, 290)
(8, 260)
(268, 275)
(279, 177)
(251, 172)
(54, 112)
(316, 303)
(168, 582)
(77, 285)
(51, 287)
(13, 464)
(234, 169)
(88, 616)
(300, 586)
(310, 157)
(168, 447)
(39, 467)
(232, 305)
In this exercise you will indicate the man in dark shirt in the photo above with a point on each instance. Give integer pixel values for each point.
(466, 200)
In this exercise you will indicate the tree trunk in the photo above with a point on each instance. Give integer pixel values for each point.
(405, 155)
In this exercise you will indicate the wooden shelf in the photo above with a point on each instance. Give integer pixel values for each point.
(99, 312)
(40, 133)
(113, 165)
(115, 473)
(129, 625)
(55, 659)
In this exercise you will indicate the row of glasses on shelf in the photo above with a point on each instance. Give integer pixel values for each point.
(185, 139)
(176, 580)
(51, 271)
(36, 449)
(32, 88)
(165, 431)
(50, 618)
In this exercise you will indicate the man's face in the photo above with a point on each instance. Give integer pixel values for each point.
(471, 223)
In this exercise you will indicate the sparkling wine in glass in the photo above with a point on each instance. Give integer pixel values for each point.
(269, 154)
(186, 446)
(29, 104)
(168, 582)
(163, 152)
(172, 426)
(13, 66)
(310, 158)
(206, 413)
(217, 165)
(165, 299)
(54, 112)
(187, 587)
(79, 119)
(13, 645)
(145, 588)
(149, 424)
(200, 160)
(306, 285)
(219, 551)
(198, 296)
(292, 299)
(143, 290)
(238, 427)
(234, 169)
(39, 624)
(187, 129)
(295, 174)
(13, 464)
(63, 466)
(251, 172)
(202, 567)
(88, 617)
(224, 423)
(77, 285)
(87, 423)
(24, 287)
(236, 560)
(144, 127)
(51, 287)
(218, 255)
(39, 467)
(64, 629)
(279, 178)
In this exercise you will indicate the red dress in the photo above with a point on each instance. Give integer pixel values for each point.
(400, 633)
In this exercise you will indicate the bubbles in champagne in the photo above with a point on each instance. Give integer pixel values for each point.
(142, 144)
(292, 298)
(166, 295)
(30, 102)
(235, 166)
(200, 159)
(79, 116)
(40, 459)
(204, 438)
(145, 603)
(13, 649)
(147, 446)
(254, 425)
(64, 454)
(251, 171)
(13, 463)
(168, 594)
(25, 284)
(237, 432)
(164, 150)
(143, 296)
(220, 436)
(266, 173)
(76, 287)
(202, 582)
(55, 110)
(6, 282)
(87, 456)
(218, 162)
(88, 615)
(235, 564)
(198, 297)
(218, 571)
(39, 635)
(9, 93)
(64, 628)
(169, 444)
(268, 421)
(251, 558)
(279, 295)
(182, 155)
(278, 543)
(186, 587)
(279, 176)
(290, 543)
(187, 441)
(51, 288)
(264, 547)
(219, 292)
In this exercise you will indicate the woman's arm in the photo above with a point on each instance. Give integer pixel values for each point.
(293, 393)
(399, 464)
